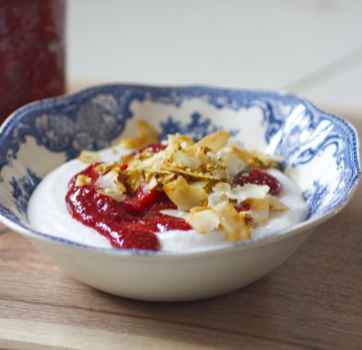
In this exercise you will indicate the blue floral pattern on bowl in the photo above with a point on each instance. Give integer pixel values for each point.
(283, 124)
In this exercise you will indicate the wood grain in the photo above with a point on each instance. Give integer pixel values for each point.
(313, 301)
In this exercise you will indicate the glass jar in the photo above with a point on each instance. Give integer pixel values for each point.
(32, 62)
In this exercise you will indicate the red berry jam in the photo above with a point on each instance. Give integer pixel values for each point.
(31, 52)
(127, 224)
(260, 177)
(132, 223)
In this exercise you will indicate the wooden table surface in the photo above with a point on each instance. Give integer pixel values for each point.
(312, 301)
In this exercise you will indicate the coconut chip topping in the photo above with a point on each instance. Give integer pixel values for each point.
(196, 177)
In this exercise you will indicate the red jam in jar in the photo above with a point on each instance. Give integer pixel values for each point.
(32, 53)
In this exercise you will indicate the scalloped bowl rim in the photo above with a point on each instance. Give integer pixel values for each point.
(220, 248)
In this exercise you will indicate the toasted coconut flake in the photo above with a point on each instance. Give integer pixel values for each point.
(127, 158)
(217, 198)
(170, 149)
(195, 210)
(221, 187)
(110, 180)
(185, 196)
(134, 165)
(213, 142)
(276, 204)
(88, 157)
(240, 151)
(200, 175)
(146, 134)
(203, 220)
(258, 203)
(151, 170)
(145, 129)
(254, 158)
(241, 193)
(130, 143)
(256, 162)
(212, 157)
(152, 183)
(260, 217)
(115, 193)
(233, 164)
(148, 176)
(198, 184)
(220, 173)
(177, 138)
(189, 162)
(247, 217)
(135, 180)
(159, 163)
(255, 195)
(149, 139)
(224, 150)
(140, 165)
(175, 213)
(219, 195)
(150, 162)
(82, 181)
(233, 224)
(165, 179)
(104, 167)
(207, 160)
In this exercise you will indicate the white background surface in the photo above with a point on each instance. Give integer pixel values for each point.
(311, 47)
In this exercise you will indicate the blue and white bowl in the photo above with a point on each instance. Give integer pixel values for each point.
(321, 151)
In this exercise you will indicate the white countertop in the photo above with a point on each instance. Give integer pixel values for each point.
(310, 47)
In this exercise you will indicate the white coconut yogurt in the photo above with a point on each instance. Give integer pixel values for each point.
(47, 212)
